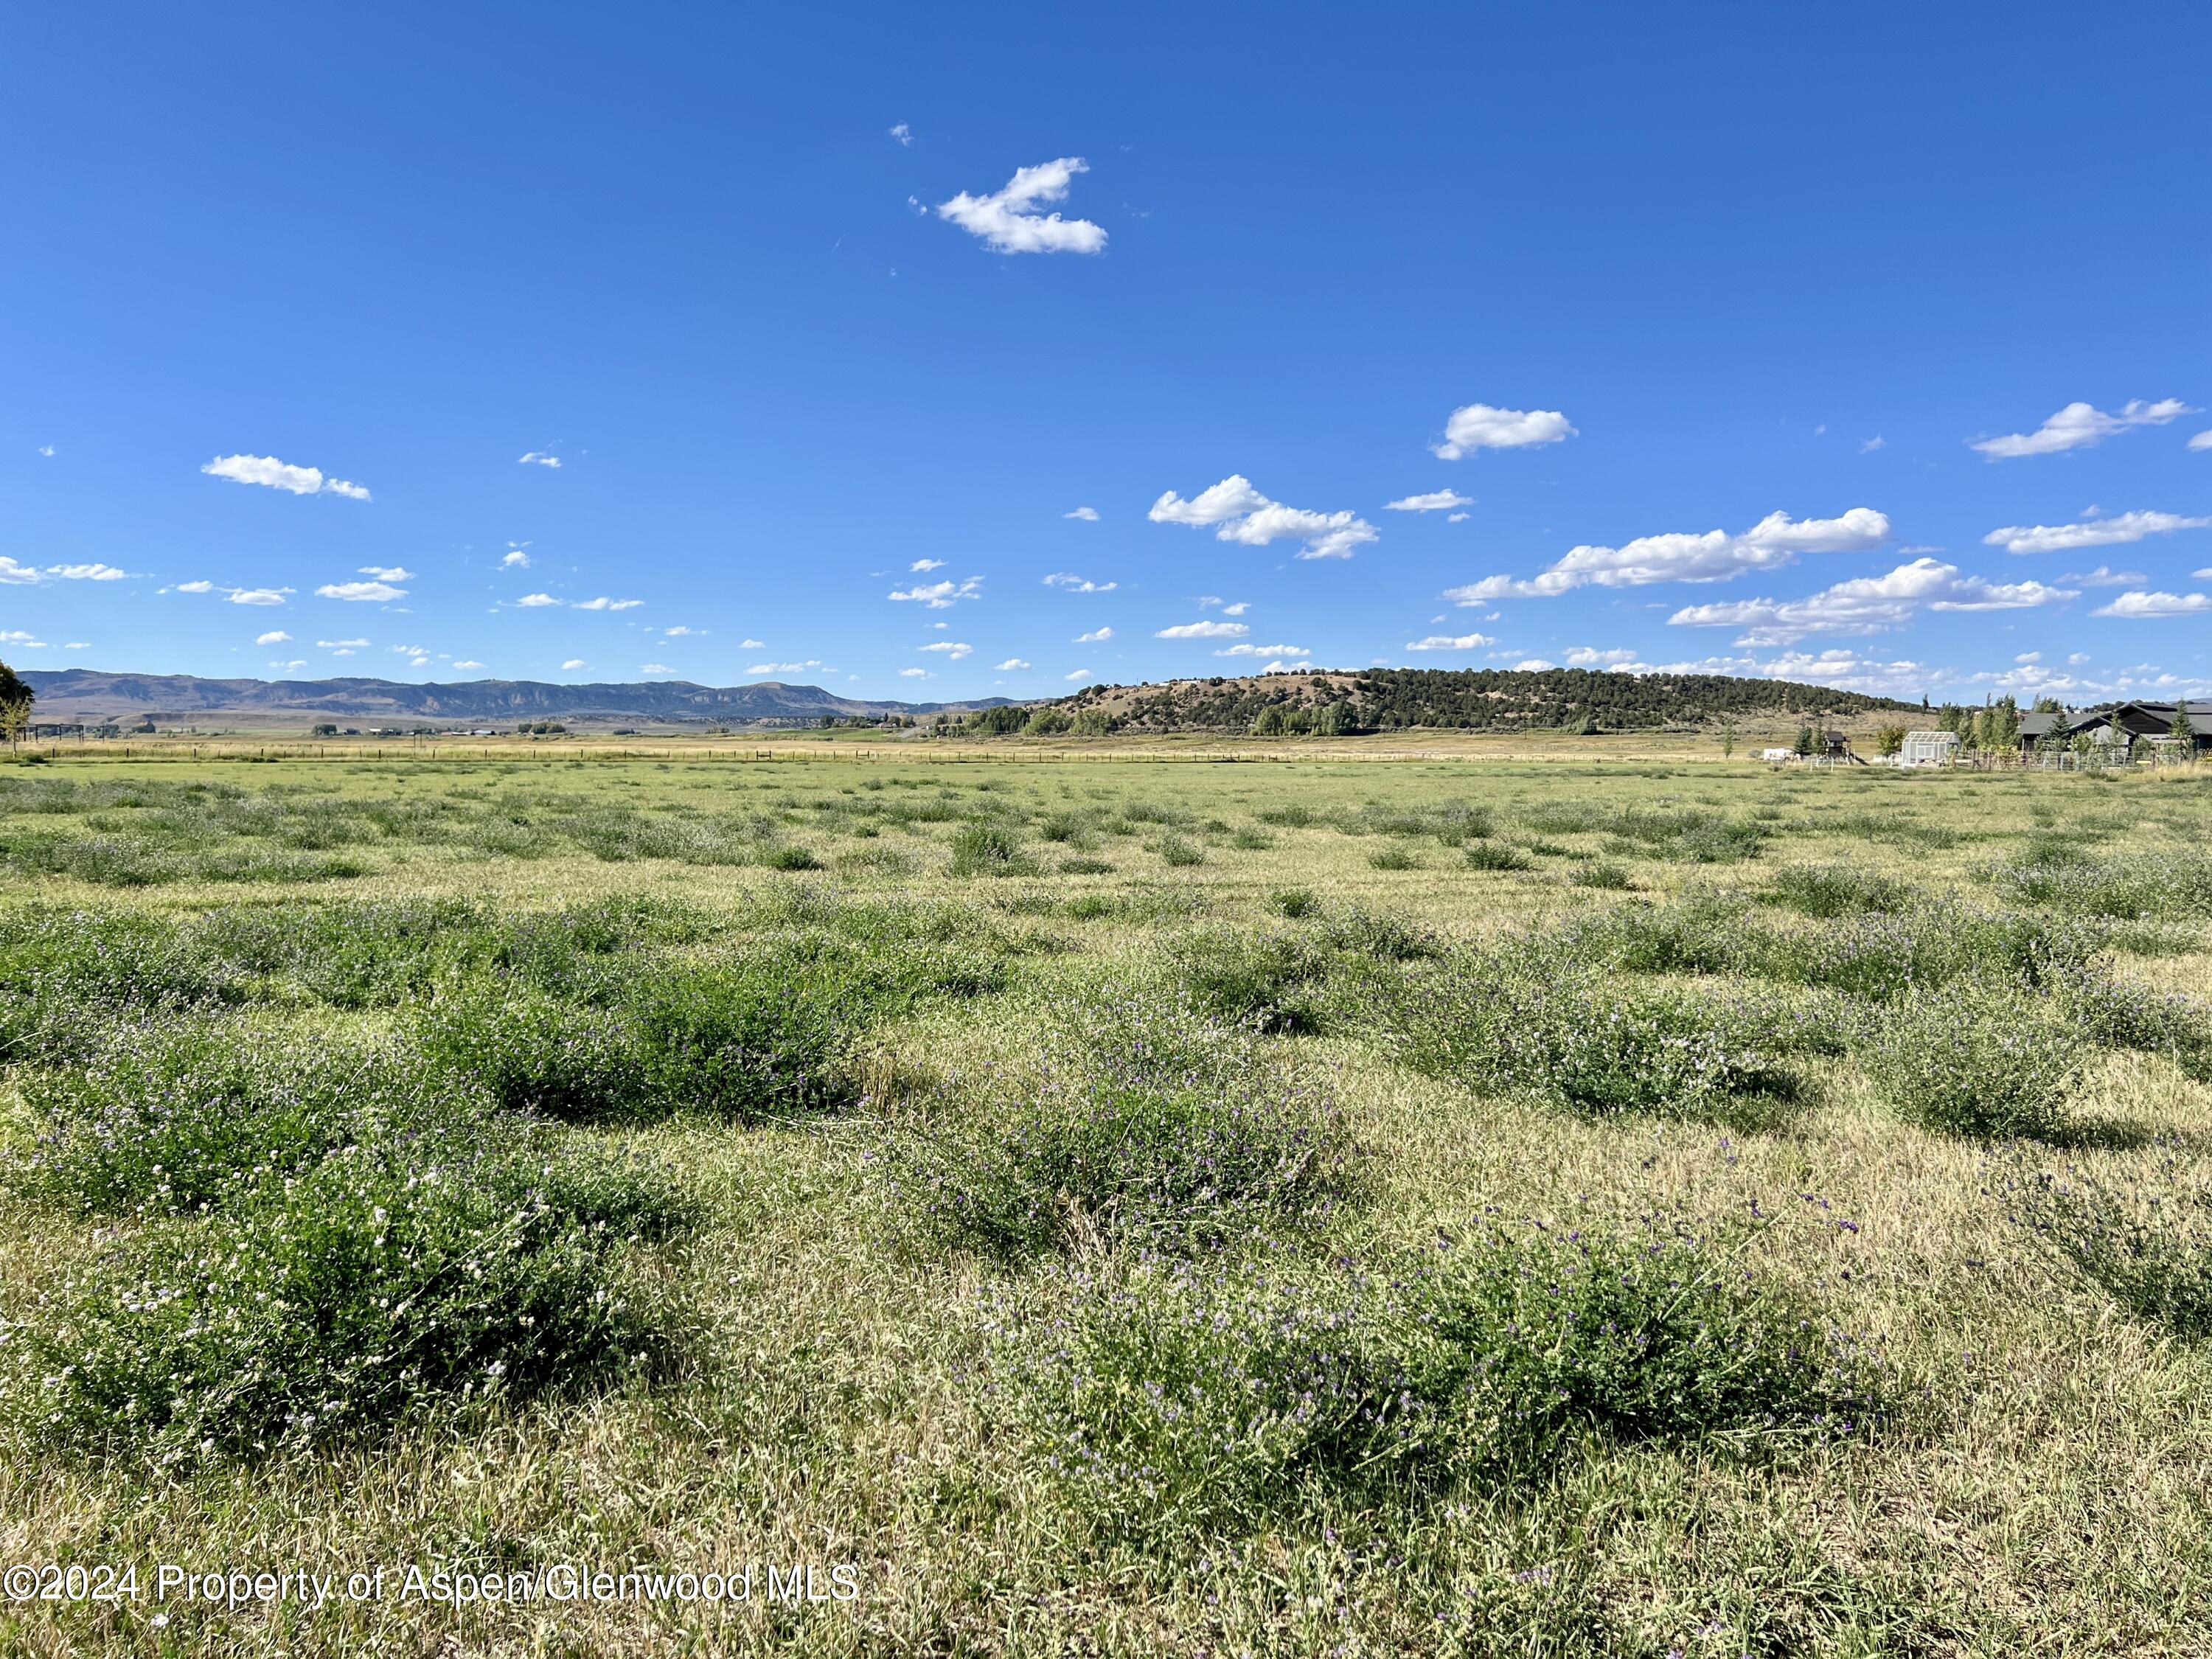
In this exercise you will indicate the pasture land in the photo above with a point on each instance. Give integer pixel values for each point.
(1431, 1207)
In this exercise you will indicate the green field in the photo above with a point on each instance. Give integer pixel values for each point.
(1112, 1207)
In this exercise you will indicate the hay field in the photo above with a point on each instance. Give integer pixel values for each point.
(1458, 1205)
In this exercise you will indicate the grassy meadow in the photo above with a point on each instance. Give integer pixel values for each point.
(1110, 1207)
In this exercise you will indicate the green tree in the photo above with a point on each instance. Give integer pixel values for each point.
(1889, 740)
(1728, 736)
(1336, 719)
(2182, 727)
(1804, 743)
(16, 700)
(1271, 723)
(2004, 735)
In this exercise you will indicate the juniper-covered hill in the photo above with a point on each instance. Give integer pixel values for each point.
(1389, 699)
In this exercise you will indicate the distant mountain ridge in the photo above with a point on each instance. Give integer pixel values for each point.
(75, 693)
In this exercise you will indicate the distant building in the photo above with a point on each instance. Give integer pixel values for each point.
(1929, 748)
(2120, 726)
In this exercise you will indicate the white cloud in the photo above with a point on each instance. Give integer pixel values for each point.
(916, 674)
(603, 603)
(952, 648)
(468, 662)
(1844, 669)
(1079, 674)
(538, 457)
(903, 134)
(940, 596)
(2200, 441)
(2105, 576)
(1006, 219)
(48, 450)
(680, 632)
(1533, 665)
(1094, 636)
(190, 587)
(77, 645)
(1250, 650)
(2028, 656)
(1088, 514)
(1204, 630)
(655, 668)
(926, 564)
(1244, 515)
(1479, 425)
(1774, 541)
(783, 667)
(358, 592)
(536, 601)
(297, 662)
(1872, 443)
(515, 559)
(574, 663)
(1436, 500)
(268, 470)
(2078, 425)
(17, 636)
(11, 572)
(1584, 656)
(1075, 584)
(257, 595)
(1869, 605)
(356, 644)
(274, 636)
(750, 645)
(2143, 606)
(1011, 664)
(2090, 532)
(1450, 642)
(387, 573)
(1237, 609)
(407, 650)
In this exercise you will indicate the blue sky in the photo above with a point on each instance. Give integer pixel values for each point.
(1703, 310)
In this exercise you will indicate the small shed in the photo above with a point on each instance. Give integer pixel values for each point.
(1929, 749)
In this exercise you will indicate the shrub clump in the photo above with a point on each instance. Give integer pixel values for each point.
(1551, 1028)
(2147, 1246)
(1269, 978)
(383, 1280)
(1172, 1397)
(1148, 1125)
(1835, 890)
(1986, 1058)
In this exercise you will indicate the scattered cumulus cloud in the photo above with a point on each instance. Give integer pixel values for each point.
(1079, 674)
(1008, 222)
(655, 668)
(257, 595)
(1074, 584)
(2203, 440)
(1237, 609)
(903, 135)
(13, 573)
(196, 587)
(2095, 532)
(750, 645)
(387, 573)
(940, 596)
(361, 592)
(1533, 664)
(1437, 501)
(1204, 630)
(603, 603)
(1584, 656)
(515, 559)
(1450, 642)
(2078, 425)
(48, 450)
(1774, 541)
(1088, 514)
(1241, 513)
(952, 648)
(17, 636)
(1872, 443)
(1480, 425)
(573, 663)
(2105, 576)
(916, 674)
(1094, 636)
(927, 565)
(1247, 649)
(1869, 605)
(680, 632)
(274, 636)
(1012, 664)
(356, 644)
(2142, 606)
(783, 667)
(536, 601)
(273, 474)
(468, 662)
(538, 457)
(1454, 517)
